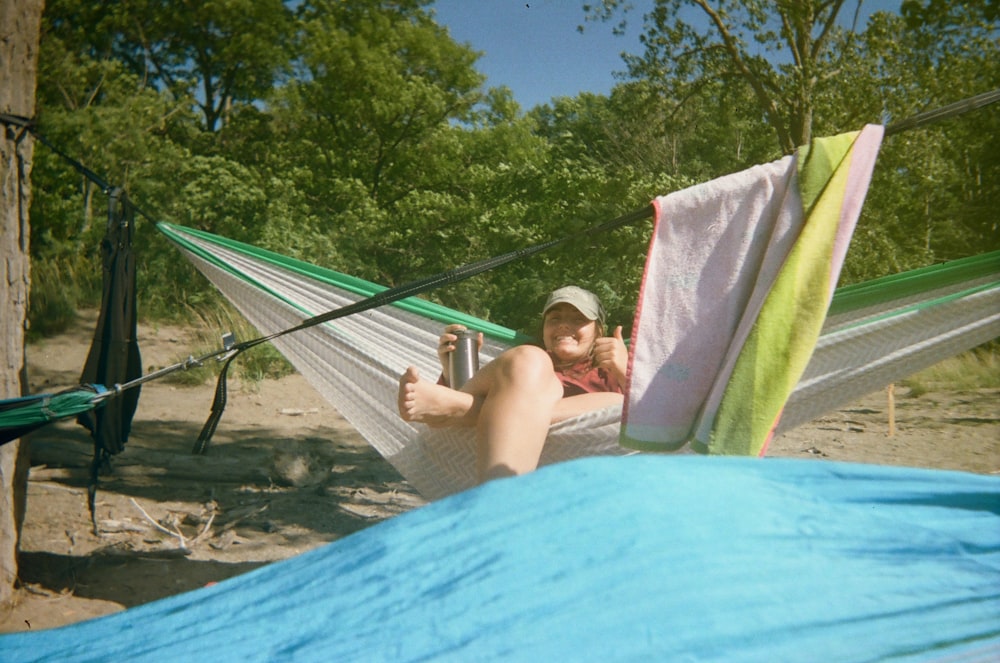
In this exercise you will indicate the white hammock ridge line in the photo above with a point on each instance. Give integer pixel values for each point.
(875, 334)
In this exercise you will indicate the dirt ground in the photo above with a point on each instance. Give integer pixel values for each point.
(285, 473)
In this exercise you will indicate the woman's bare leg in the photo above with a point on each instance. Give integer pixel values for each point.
(514, 418)
(437, 405)
(511, 401)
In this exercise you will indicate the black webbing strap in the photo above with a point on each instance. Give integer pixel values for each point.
(945, 112)
(394, 295)
(29, 125)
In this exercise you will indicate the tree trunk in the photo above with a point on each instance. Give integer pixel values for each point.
(18, 59)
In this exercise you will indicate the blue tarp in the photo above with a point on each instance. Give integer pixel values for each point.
(611, 559)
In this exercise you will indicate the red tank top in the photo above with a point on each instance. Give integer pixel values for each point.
(582, 378)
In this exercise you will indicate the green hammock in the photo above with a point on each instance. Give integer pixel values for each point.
(20, 416)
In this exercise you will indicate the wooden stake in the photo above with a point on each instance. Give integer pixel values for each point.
(891, 394)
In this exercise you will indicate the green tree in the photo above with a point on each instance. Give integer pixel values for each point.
(951, 16)
(131, 135)
(95, 112)
(368, 126)
(812, 70)
(215, 54)
(371, 87)
(934, 186)
(779, 52)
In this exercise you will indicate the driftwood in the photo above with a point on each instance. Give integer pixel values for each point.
(114, 526)
(175, 530)
(891, 398)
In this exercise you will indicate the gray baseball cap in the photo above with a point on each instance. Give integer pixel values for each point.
(585, 302)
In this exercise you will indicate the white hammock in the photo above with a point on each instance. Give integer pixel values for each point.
(354, 362)
(884, 330)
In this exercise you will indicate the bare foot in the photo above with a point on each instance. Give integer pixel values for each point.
(431, 403)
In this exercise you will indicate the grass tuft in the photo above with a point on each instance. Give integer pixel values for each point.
(53, 300)
(976, 369)
(251, 367)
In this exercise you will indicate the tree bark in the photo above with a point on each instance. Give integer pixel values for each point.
(21, 21)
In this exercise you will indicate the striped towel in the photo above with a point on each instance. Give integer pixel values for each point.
(739, 275)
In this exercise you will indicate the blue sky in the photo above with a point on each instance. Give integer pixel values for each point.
(533, 47)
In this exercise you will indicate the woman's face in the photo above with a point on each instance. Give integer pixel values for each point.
(568, 335)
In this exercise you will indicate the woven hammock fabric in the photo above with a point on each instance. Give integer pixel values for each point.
(355, 362)
(883, 330)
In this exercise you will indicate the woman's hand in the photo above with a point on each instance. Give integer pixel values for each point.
(611, 354)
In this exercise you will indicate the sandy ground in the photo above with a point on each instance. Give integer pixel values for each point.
(285, 474)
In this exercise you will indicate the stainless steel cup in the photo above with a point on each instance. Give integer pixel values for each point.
(463, 362)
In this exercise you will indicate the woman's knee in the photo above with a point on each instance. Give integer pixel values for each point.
(526, 361)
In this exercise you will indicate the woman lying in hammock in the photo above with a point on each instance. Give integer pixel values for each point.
(514, 399)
